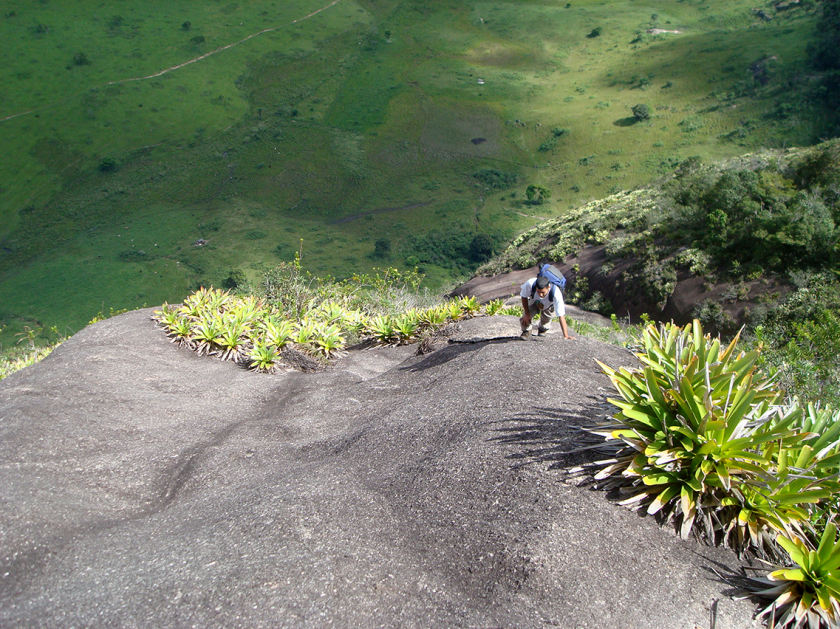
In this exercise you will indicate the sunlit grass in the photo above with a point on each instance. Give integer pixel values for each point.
(9, 364)
(286, 135)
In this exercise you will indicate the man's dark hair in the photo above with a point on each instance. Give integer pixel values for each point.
(542, 282)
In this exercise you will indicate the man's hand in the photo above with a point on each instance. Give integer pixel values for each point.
(565, 329)
(525, 319)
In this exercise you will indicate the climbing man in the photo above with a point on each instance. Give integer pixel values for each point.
(540, 295)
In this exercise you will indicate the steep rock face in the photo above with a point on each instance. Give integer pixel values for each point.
(145, 486)
(627, 296)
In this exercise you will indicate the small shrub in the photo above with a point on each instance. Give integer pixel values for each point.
(598, 303)
(80, 59)
(210, 226)
(382, 248)
(131, 255)
(659, 279)
(691, 123)
(235, 279)
(107, 165)
(578, 290)
(641, 112)
(497, 179)
(711, 314)
(697, 261)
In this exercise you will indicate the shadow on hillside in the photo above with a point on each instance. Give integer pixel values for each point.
(626, 122)
(553, 435)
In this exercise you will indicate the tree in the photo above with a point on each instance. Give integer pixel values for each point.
(641, 112)
(186, 26)
(235, 279)
(481, 247)
(825, 51)
(595, 32)
(382, 248)
(537, 194)
(824, 55)
(107, 165)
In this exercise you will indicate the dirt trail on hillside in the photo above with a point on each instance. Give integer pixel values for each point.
(181, 65)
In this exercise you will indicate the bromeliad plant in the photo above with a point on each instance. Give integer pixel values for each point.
(264, 357)
(701, 438)
(310, 315)
(800, 474)
(434, 317)
(494, 307)
(807, 595)
(407, 326)
(469, 306)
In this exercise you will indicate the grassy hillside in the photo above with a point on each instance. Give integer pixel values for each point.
(133, 131)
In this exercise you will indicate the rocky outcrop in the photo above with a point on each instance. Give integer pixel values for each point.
(146, 486)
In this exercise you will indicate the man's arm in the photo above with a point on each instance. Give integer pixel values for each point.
(559, 306)
(526, 317)
(565, 328)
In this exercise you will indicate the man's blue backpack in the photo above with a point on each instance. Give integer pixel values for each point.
(555, 278)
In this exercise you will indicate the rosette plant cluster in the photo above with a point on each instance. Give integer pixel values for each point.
(705, 440)
(254, 332)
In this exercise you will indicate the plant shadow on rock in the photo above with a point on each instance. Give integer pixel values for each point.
(450, 352)
(552, 435)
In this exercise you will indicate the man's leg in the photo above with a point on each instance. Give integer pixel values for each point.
(534, 310)
(526, 329)
(545, 321)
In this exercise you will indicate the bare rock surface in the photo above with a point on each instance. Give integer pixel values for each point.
(143, 486)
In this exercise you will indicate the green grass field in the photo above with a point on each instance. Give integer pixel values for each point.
(337, 125)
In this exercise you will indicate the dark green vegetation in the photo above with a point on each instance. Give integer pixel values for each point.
(755, 239)
(824, 56)
(150, 148)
